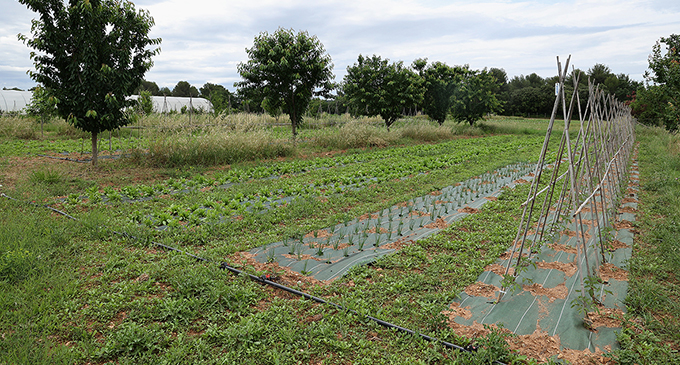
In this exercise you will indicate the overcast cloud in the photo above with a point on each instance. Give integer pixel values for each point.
(204, 40)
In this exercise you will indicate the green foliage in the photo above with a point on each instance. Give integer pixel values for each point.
(440, 83)
(219, 97)
(659, 104)
(43, 103)
(286, 69)
(649, 106)
(149, 86)
(529, 95)
(373, 87)
(126, 301)
(474, 97)
(46, 176)
(15, 265)
(145, 102)
(91, 55)
(530, 101)
(184, 89)
(132, 340)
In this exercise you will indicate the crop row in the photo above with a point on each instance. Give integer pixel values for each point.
(329, 252)
(217, 208)
(232, 202)
(376, 167)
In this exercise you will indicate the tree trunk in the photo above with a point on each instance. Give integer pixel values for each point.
(293, 120)
(94, 149)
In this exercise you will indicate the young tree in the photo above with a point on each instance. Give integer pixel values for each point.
(439, 82)
(145, 102)
(92, 54)
(43, 104)
(474, 96)
(376, 87)
(286, 69)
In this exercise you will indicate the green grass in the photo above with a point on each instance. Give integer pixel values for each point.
(652, 333)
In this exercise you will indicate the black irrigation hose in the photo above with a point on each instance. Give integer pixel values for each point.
(39, 205)
(86, 160)
(67, 159)
(264, 280)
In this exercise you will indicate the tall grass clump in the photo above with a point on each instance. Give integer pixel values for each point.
(357, 134)
(464, 129)
(161, 123)
(426, 132)
(17, 126)
(338, 120)
(216, 146)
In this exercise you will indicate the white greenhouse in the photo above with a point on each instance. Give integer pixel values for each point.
(16, 101)
(165, 104)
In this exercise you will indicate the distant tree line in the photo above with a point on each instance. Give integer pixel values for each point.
(532, 95)
(375, 86)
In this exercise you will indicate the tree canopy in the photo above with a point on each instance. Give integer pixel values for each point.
(286, 69)
(149, 86)
(474, 96)
(659, 103)
(92, 54)
(377, 87)
(184, 89)
(218, 95)
(440, 82)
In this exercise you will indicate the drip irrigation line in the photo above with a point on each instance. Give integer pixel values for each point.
(40, 205)
(65, 158)
(86, 160)
(262, 279)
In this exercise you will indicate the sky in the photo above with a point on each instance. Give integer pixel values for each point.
(204, 40)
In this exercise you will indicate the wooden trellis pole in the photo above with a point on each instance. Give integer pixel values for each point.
(596, 164)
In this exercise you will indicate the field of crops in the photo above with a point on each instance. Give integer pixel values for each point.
(105, 288)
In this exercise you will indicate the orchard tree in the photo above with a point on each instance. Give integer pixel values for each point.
(439, 83)
(285, 70)
(43, 104)
(91, 55)
(474, 96)
(376, 87)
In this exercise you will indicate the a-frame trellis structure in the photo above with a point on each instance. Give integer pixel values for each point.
(581, 187)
